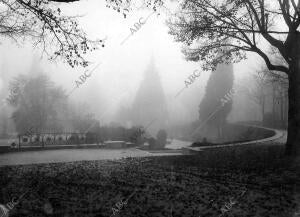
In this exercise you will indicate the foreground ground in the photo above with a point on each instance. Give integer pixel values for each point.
(252, 181)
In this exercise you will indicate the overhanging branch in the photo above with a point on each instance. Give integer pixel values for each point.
(268, 62)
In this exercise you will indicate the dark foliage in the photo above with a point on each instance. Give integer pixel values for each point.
(161, 138)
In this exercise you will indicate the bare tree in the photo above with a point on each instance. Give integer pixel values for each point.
(44, 23)
(258, 93)
(279, 84)
(269, 85)
(235, 27)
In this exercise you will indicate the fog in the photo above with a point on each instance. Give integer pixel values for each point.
(180, 109)
(115, 82)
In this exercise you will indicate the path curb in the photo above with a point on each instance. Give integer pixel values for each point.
(278, 134)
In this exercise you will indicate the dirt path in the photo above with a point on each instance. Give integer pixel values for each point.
(69, 155)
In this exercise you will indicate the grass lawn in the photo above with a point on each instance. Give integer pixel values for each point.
(252, 181)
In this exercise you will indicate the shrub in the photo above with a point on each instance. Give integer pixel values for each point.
(13, 145)
(161, 138)
(137, 136)
(152, 143)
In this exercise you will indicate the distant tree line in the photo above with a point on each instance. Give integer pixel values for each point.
(270, 93)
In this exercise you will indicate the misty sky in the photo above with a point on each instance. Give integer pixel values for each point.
(116, 80)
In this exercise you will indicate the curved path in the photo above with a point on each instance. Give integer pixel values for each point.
(280, 138)
(69, 155)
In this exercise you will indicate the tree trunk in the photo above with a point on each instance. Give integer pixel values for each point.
(293, 140)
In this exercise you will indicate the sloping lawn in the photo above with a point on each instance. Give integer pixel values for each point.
(254, 181)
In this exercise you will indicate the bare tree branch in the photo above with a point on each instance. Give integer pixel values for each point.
(57, 35)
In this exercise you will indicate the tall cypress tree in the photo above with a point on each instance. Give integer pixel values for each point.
(149, 106)
(211, 112)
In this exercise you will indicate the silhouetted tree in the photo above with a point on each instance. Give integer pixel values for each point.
(161, 138)
(38, 103)
(152, 143)
(149, 107)
(219, 84)
(234, 27)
